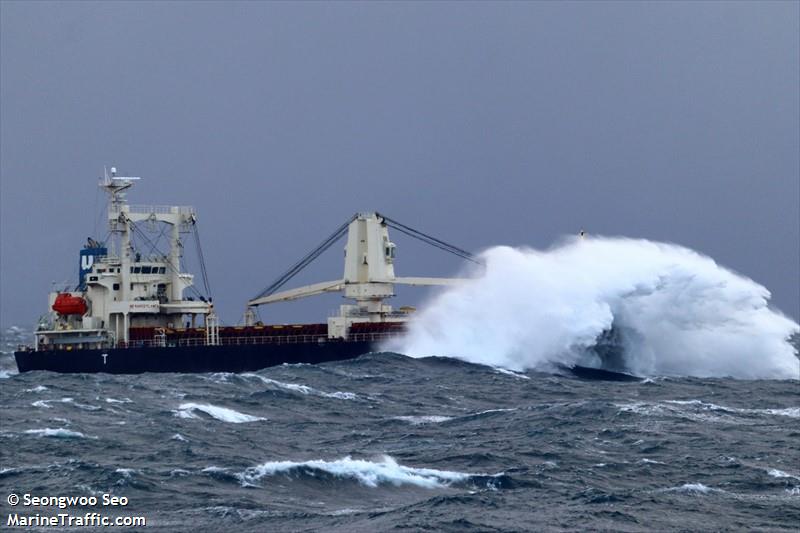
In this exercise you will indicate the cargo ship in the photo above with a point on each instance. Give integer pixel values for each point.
(135, 310)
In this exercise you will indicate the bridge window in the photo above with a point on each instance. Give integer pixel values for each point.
(162, 270)
(146, 270)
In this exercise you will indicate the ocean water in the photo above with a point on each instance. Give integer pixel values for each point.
(388, 442)
(479, 431)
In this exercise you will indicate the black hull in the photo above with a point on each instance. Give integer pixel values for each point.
(189, 359)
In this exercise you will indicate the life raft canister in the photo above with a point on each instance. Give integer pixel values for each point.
(66, 304)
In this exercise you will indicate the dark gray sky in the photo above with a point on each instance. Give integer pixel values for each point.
(482, 124)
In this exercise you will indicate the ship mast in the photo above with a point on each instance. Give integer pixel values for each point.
(122, 220)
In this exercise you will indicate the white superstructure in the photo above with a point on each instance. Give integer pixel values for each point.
(124, 287)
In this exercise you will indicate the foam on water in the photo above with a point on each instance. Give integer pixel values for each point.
(420, 420)
(46, 404)
(303, 389)
(692, 488)
(774, 472)
(114, 400)
(57, 433)
(368, 473)
(697, 407)
(680, 313)
(224, 414)
(511, 373)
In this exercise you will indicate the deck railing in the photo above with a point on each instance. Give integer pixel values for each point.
(157, 209)
(255, 340)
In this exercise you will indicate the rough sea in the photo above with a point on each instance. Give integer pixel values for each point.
(391, 443)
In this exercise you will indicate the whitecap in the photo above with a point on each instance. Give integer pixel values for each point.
(214, 469)
(219, 377)
(124, 400)
(57, 433)
(508, 372)
(368, 473)
(419, 420)
(792, 412)
(187, 410)
(340, 395)
(494, 411)
(303, 389)
(692, 488)
(774, 472)
(39, 388)
(639, 408)
(178, 436)
(71, 401)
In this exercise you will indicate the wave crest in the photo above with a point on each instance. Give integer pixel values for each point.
(368, 473)
(679, 312)
(187, 410)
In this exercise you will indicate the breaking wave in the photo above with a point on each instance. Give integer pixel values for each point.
(46, 404)
(187, 410)
(59, 433)
(678, 313)
(367, 473)
(704, 411)
(692, 488)
(302, 389)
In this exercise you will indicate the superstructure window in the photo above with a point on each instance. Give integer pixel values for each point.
(116, 286)
(146, 270)
(162, 270)
(137, 270)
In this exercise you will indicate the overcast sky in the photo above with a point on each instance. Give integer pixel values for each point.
(482, 124)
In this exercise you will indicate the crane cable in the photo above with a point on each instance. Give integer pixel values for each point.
(203, 271)
(172, 267)
(306, 260)
(341, 231)
(428, 239)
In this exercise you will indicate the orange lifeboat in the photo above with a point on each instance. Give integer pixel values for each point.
(66, 304)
